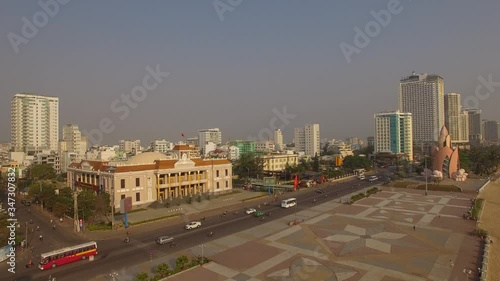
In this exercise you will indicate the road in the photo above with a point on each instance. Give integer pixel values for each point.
(115, 254)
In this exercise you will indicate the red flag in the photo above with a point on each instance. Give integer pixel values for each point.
(296, 182)
(182, 135)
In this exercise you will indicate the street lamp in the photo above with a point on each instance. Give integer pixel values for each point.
(202, 246)
(111, 170)
(467, 273)
(113, 275)
(425, 173)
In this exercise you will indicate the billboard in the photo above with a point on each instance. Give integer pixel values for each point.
(125, 205)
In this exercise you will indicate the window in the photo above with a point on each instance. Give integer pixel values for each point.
(217, 173)
(122, 182)
(227, 183)
(137, 182)
(227, 172)
(123, 196)
(138, 197)
(218, 186)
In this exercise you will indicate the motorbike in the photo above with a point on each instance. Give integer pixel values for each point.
(210, 234)
(127, 240)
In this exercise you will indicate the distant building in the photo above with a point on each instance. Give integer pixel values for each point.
(307, 139)
(152, 176)
(491, 131)
(278, 140)
(264, 146)
(463, 135)
(422, 95)
(194, 141)
(475, 126)
(370, 141)
(244, 146)
(48, 157)
(209, 135)
(278, 162)
(130, 146)
(72, 147)
(393, 133)
(34, 123)
(452, 110)
(162, 146)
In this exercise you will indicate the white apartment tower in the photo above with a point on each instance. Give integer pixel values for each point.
(452, 114)
(34, 122)
(422, 95)
(162, 146)
(464, 126)
(278, 140)
(209, 135)
(393, 133)
(307, 139)
(312, 140)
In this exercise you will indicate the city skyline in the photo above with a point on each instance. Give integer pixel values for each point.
(223, 73)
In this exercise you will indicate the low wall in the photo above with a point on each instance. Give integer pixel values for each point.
(485, 184)
(484, 266)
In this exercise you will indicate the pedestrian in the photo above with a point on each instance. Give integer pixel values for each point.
(414, 228)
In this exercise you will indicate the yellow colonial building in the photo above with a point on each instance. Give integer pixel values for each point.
(275, 162)
(153, 176)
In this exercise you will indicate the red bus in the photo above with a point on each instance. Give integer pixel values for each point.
(67, 255)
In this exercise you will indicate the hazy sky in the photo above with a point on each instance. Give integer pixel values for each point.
(229, 69)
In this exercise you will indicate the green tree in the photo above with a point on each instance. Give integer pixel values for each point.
(86, 204)
(163, 270)
(485, 160)
(42, 172)
(181, 263)
(465, 162)
(356, 162)
(249, 166)
(142, 276)
(315, 163)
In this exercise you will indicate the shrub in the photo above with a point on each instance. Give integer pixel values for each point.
(198, 199)
(142, 276)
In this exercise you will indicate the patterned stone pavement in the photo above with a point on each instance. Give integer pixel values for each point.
(393, 235)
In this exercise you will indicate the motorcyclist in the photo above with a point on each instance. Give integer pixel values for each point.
(41, 237)
(211, 234)
(127, 239)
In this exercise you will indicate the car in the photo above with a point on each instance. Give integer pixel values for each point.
(192, 225)
(164, 240)
(320, 191)
(250, 211)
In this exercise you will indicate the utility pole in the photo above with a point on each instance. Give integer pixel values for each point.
(26, 226)
(425, 173)
(111, 170)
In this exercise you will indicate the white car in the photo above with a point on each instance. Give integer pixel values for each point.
(192, 225)
(250, 211)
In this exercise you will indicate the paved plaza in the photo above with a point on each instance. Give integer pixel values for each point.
(393, 235)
